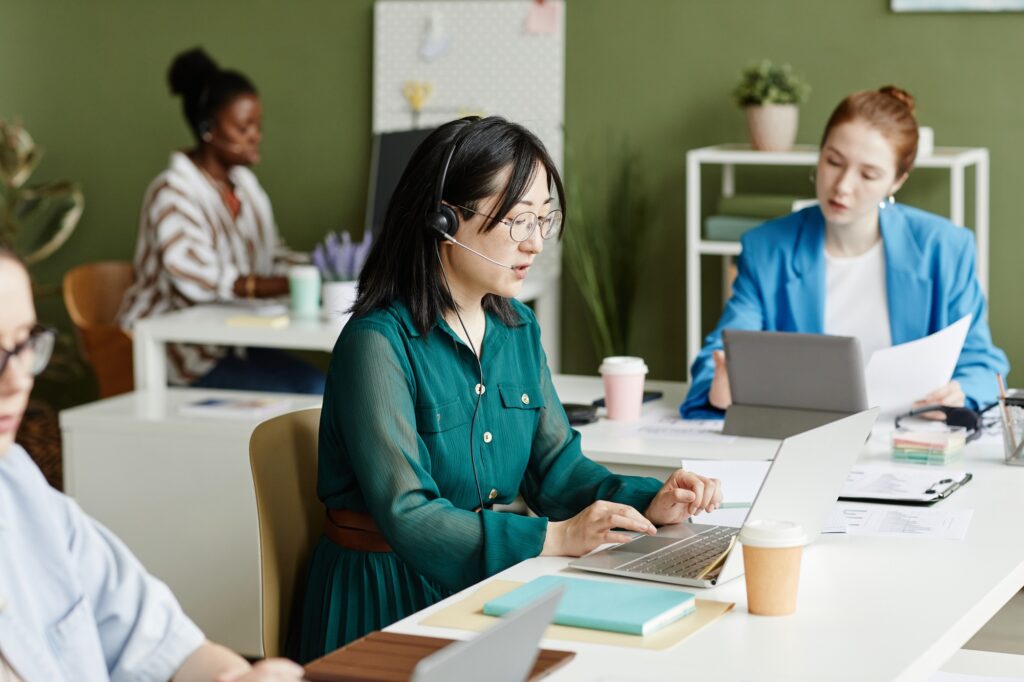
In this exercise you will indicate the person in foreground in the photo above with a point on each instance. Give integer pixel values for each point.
(75, 604)
(858, 263)
(207, 233)
(439, 402)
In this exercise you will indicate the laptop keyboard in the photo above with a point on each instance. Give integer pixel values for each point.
(686, 560)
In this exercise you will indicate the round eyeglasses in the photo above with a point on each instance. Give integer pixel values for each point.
(33, 353)
(521, 227)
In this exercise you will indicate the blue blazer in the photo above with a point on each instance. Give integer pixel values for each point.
(930, 280)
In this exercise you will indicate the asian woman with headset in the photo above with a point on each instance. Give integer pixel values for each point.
(439, 402)
(858, 263)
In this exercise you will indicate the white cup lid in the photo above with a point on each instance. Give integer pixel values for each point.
(763, 533)
(622, 364)
(305, 271)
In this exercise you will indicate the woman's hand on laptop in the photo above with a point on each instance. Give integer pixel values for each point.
(719, 394)
(683, 495)
(593, 527)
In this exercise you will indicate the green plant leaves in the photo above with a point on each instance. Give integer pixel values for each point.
(767, 83)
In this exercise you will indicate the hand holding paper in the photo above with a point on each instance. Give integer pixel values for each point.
(899, 376)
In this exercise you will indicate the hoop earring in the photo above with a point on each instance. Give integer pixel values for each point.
(886, 203)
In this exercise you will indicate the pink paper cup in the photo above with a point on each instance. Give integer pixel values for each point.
(623, 386)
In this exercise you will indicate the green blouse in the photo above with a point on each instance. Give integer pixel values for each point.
(395, 443)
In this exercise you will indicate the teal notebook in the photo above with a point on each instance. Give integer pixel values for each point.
(600, 605)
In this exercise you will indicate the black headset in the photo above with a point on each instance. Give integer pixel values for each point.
(955, 416)
(442, 222)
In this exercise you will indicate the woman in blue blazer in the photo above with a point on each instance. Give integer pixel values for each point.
(859, 264)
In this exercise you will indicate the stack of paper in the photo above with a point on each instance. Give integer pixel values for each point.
(933, 447)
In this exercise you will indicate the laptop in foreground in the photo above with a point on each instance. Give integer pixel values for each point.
(505, 652)
(784, 383)
(802, 485)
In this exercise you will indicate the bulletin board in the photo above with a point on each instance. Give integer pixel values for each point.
(482, 57)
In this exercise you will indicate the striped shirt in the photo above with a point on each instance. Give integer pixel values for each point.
(191, 249)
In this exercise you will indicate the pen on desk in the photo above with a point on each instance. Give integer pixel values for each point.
(1007, 424)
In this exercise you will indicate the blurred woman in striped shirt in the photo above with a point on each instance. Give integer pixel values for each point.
(207, 233)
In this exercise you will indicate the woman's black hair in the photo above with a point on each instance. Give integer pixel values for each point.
(403, 263)
(204, 88)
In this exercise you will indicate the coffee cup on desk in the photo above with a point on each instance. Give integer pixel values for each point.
(304, 286)
(623, 386)
(771, 560)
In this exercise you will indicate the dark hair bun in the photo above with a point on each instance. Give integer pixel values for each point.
(189, 71)
(904, 97)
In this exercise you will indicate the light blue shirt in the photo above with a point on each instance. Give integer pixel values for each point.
(75, 603)
(930, 284)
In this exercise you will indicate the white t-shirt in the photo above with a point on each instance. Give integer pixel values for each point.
(856, 303)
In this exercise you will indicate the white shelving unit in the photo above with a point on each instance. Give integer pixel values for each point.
(954, 159)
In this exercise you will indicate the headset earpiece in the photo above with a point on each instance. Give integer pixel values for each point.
(442, 221)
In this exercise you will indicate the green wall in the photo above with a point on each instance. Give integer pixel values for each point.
(87, 79)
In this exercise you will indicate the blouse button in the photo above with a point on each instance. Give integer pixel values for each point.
(488, 437)
(480, 388)
(491, 495)
(526, 399)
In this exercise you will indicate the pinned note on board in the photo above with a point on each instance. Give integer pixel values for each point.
(542, 17)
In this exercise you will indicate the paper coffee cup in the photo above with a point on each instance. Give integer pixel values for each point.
(304, 286)
(623, 377)
(771, 559)
(925, 141)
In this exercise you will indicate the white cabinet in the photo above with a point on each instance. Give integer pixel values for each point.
(954, 159)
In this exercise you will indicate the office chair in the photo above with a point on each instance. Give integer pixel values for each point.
(92, 294)
(283, 456)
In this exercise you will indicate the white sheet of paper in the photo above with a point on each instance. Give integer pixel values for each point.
(740, 479)
(896, 377)
(887, 482)
(898, 521)
(668, 424)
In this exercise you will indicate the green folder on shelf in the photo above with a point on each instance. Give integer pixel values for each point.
(763, 206)
(602, 605)
(728, 228)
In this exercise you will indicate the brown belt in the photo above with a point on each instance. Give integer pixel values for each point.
(355, 531)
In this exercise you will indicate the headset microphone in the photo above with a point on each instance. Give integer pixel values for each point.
(453, 240)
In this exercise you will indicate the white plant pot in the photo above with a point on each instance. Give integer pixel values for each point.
(772, 127)
(337, 298)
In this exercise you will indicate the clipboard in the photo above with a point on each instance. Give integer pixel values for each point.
(882, 484)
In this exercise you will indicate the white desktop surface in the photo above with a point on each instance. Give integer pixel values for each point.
(208, 324)
(870, 608)
(178, 490)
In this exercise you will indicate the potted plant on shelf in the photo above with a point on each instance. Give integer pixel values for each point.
(770, 94)
(340, 260)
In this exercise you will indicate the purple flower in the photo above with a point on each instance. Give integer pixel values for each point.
(339, 259)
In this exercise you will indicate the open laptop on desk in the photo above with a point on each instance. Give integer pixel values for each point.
(783, 383)
(802, 485)
(505, 652)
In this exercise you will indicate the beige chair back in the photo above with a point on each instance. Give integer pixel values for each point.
(282, 452)
(92, 294)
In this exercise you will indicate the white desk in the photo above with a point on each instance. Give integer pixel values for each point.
(206, 324)
(178, 491)
(869, 608)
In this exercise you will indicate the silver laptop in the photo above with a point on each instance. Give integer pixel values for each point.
(783, 384)
(802, 485)
(505, 652)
